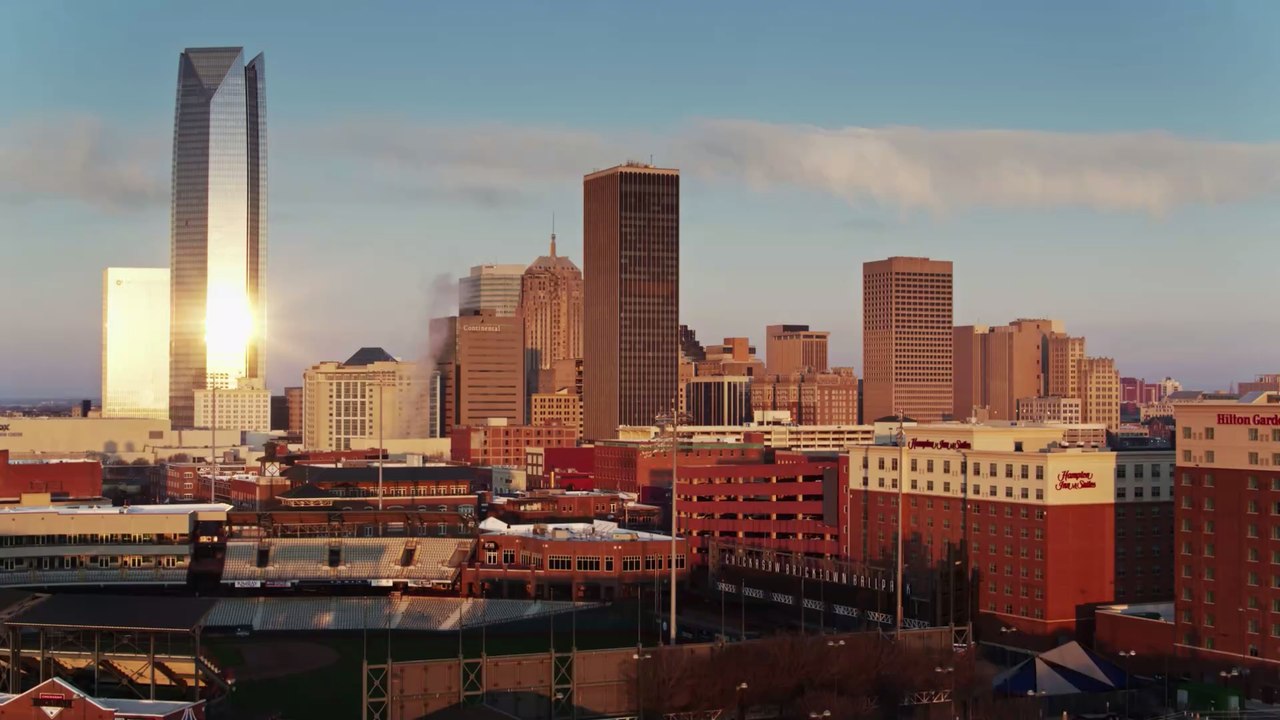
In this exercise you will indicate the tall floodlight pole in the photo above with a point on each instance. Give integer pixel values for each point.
(673, 419)
(902, 466)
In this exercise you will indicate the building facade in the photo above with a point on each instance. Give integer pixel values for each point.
(718, 400)
(488, 369)
(631, 224)
(795, 348)
(294, 407)
(244, 407)
(351, 404)
(1065, 354)
(1033, 522)
(491, 287)
(1050, 409)
(135, 343)
(1099, 391)
(996, 367)
(810, 398)
(219, 225)
(558, 408)
(497, 444)
(907, 338)
(551, 305)
(1227, 513)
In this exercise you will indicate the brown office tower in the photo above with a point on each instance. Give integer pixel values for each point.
(480, 370)
(794, 348)
(906, 338)
(996, 367)
(631, 241)
(551, 303)
(1065, 354)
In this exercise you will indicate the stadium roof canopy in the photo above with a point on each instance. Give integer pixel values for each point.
(116, 612)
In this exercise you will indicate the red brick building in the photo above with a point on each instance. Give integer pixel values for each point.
(502, 445)
(58, 698)
(541, 506)
(580, 561)
(776, 505)
(1228, 530)
(637, 467)
(1034, 523)
(560, 467)
(62, 480)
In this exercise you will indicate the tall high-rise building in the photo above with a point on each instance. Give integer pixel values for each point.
(995, 367)
(293, 404)
(631, 251)
(1065, 354)
(906, 338)
(480, 372)
(347, 405)
(491, 287)
(1099, 391)
(795, 348)
(551, 304)
(135, 343)
(218, 232)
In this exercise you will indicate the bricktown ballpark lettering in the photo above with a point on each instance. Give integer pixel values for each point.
(1075, 480)
(940, 444)
(1230, 419)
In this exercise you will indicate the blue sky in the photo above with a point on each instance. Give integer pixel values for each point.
(1115, 165)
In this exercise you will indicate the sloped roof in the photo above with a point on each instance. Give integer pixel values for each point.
(1065, 670)
(368, 356)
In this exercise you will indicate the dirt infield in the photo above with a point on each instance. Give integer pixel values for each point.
(265, 660)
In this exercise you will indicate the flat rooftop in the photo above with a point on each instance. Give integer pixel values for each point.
(174, 509)
(585, 532)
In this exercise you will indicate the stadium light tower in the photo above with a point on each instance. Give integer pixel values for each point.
(673, 418)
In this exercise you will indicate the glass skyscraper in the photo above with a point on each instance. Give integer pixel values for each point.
(218, 230)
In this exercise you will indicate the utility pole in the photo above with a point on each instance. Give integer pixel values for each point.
(381, 448)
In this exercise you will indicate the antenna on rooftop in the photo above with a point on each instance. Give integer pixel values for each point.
(553, 233)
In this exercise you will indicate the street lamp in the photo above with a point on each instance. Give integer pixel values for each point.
(1006, 630)
(1126, 654)
(949, 670)
(740, 691)
(833, 644)
(639, 657)
(823, 714)
(1226, 676)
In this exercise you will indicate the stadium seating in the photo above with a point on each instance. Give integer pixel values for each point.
(426, 614)
(307, 559)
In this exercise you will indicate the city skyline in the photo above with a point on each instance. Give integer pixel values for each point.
(803, 225)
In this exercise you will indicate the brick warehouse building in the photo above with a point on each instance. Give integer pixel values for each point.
(1034, 523)
(62, 480)
(645, 467)
(560, 561)
(1227, 597)
(497, 444)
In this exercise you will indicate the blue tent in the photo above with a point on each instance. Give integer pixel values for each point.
(1064, 670)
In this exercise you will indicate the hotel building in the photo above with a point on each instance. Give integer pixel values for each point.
(1034, 522)
(1228, 529)
(350, 404)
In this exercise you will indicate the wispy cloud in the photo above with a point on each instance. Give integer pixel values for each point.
(938, 170)
(491, 165)
(82, 160)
